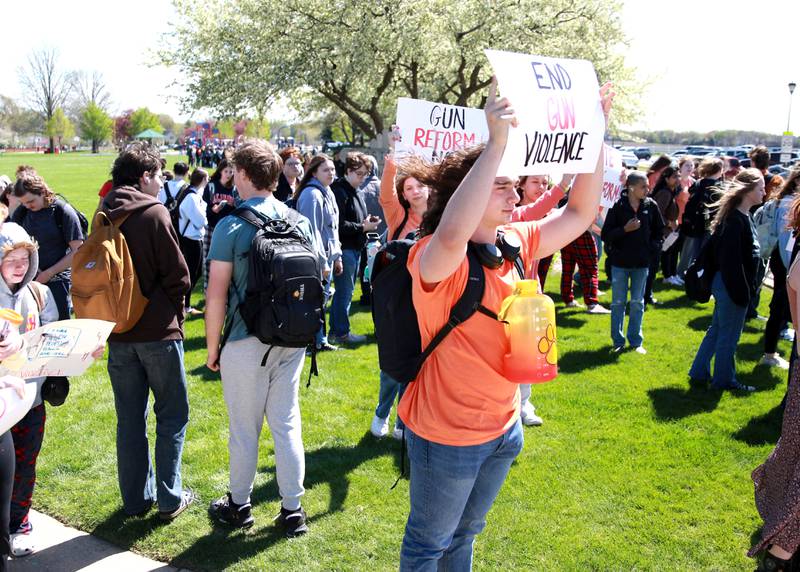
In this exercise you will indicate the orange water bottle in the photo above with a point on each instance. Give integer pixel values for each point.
(530, 318)
(11, 320)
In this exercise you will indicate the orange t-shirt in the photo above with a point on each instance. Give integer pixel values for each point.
(393, 211)
(460, 396)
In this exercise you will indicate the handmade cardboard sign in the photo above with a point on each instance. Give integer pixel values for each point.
(433, 130)
(611, 175)
(59, 348)
(13, 407)
(557, 104)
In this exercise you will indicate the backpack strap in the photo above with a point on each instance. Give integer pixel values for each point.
(467, 304)
(37, 290)
(399, 229)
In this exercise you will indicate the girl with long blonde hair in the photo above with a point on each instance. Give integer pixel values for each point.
(734, 251)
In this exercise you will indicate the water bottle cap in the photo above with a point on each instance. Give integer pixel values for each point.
(527, 287)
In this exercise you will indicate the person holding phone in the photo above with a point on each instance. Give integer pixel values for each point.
(633, 231)
(354, 224)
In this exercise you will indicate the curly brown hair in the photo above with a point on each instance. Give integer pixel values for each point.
(442, 179)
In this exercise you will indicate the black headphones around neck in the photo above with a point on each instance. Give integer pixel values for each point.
(505, 247)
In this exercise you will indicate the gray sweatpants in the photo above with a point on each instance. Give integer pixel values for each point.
(252, 391)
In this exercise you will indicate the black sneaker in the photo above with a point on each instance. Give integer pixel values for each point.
(226, 511)
(293, 522)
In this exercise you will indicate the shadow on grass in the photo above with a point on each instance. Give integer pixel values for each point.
(700, 323)
(755, 537)
(328, 465)
(205, 374)
(673, 403)
(762, 430)
(582, 360)
(123, 530)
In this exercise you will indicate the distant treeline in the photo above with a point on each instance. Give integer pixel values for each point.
(727, 138)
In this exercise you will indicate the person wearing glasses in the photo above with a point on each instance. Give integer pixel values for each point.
(354, 224)
(290, 175)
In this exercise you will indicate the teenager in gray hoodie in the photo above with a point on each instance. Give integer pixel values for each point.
(19, 263)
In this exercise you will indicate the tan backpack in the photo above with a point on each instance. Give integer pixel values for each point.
(104, 281)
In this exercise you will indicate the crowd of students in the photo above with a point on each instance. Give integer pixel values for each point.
(461, 418)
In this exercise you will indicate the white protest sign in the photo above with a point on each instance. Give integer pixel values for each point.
(59, 348)
(433, 130)
(611, 174)
(13, 407)
(557, 103)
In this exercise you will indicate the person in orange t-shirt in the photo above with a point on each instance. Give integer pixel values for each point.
(404, 201)
(461, 413)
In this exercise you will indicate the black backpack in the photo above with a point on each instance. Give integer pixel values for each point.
(173, 204)
(59, 204)
(400, 352)
(693, 223)
(701, 273)
(283, 300)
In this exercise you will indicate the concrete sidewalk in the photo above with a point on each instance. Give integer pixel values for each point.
(64, 549)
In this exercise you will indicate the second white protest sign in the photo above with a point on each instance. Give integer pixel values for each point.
(434, 130)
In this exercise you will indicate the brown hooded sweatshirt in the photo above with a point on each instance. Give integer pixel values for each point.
(160, 266)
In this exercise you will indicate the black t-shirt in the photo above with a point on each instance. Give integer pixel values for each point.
(43, 226)
(214, 193)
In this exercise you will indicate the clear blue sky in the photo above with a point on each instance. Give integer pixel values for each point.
(711, 64)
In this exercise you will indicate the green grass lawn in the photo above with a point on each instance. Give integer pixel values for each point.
(632, 469)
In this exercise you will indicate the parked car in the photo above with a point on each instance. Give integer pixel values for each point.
(629, 159)
(699, 150)
(779, 170)
(775, 157)
(643, 153)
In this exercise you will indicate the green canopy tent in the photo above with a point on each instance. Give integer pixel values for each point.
(149, 134)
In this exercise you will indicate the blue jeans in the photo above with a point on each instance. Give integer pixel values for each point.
(451, 490)
(619, 295)
(345, 283)
(135, 370)
(59, 288)
(721, 339)
(388, 391)
(322, 334)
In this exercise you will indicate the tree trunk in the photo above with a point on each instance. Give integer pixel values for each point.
(52, 145)
(95, 146)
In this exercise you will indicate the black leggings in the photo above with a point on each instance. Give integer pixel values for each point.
(779, 305)
(7, 464)
(193, 254)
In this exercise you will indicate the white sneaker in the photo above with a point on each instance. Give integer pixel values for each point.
(397, 433)
(640, 350)
(597, 309)
(22, 545)
(529, 417)
(379, 427)
(573, 304)
(678, 281)
(774, 360)
(787, 334)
